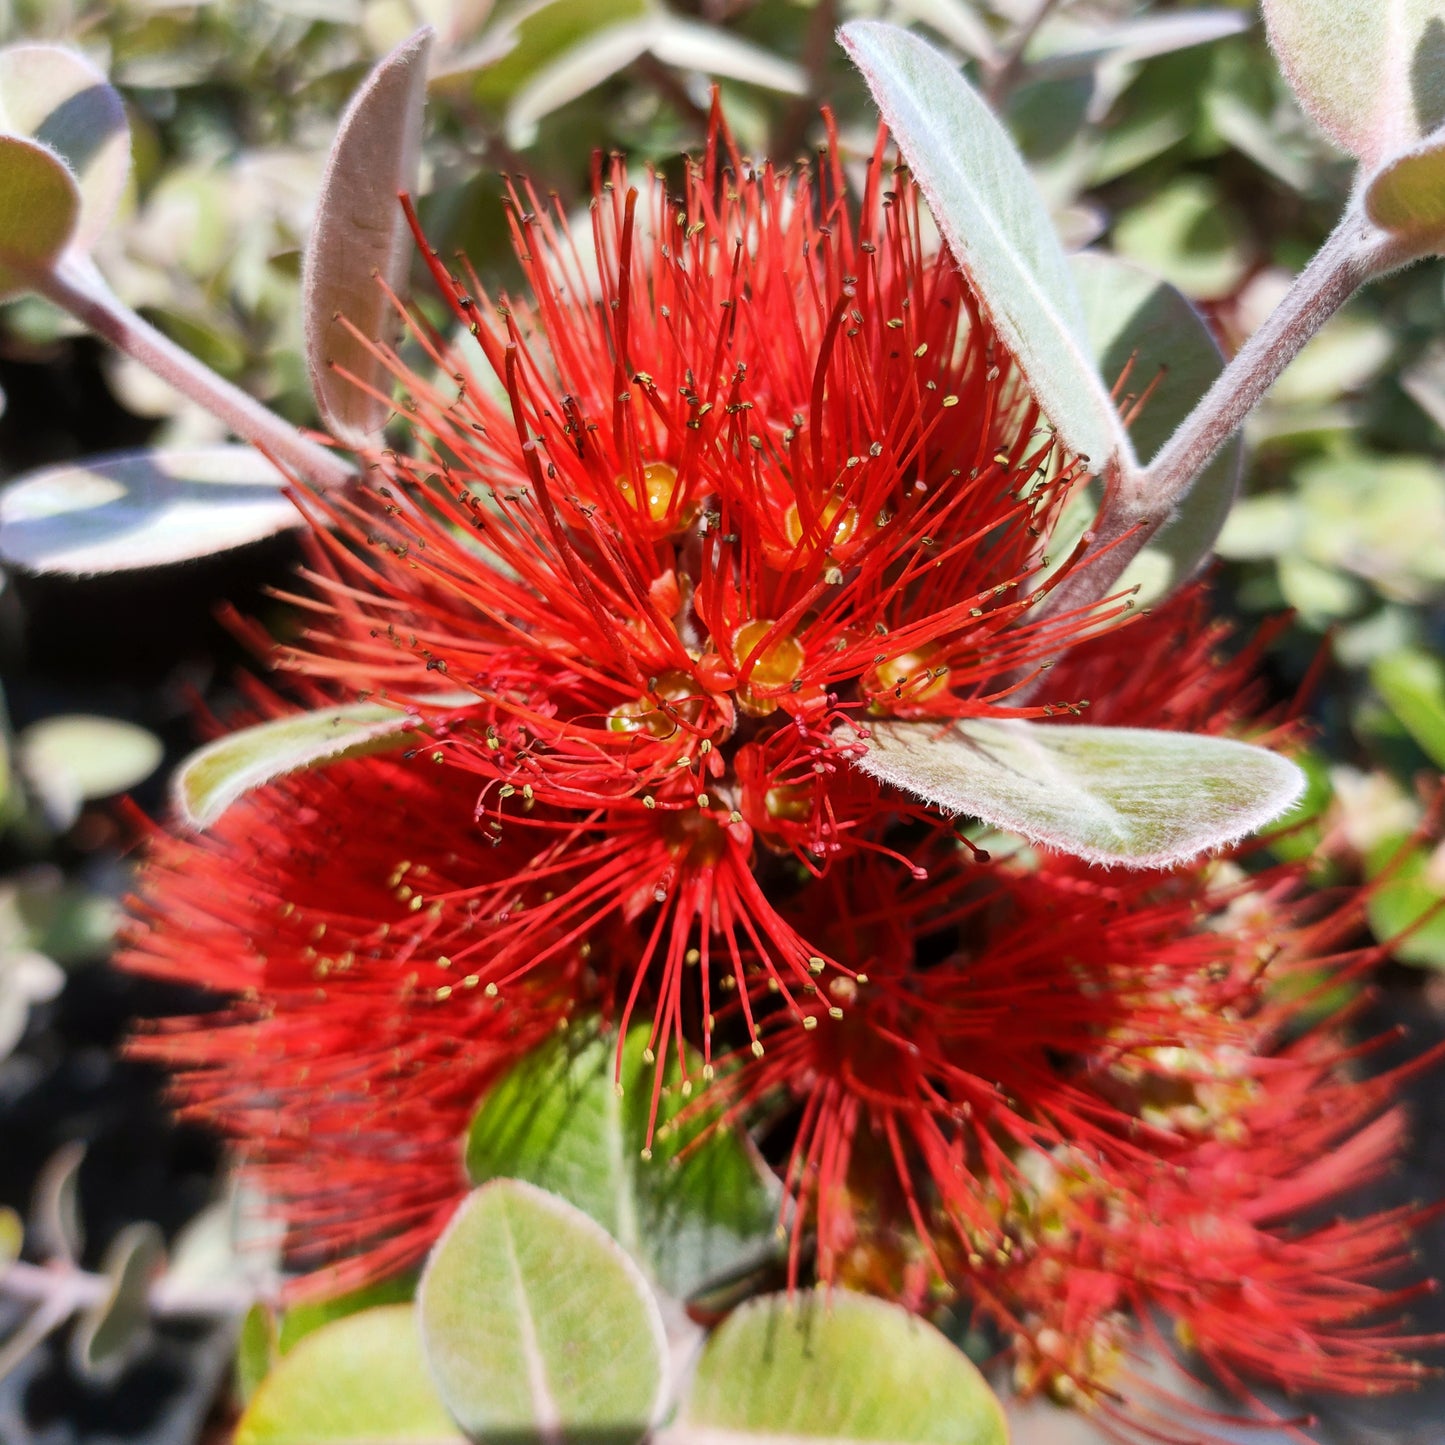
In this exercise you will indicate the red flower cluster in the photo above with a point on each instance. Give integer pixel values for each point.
(745, 472)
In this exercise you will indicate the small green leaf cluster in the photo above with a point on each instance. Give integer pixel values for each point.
(534, 1322)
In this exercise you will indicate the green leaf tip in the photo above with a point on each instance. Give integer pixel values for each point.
(220, 773)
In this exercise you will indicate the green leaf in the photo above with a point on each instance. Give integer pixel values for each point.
(12, 1236)
(360, 236)
(1413, 684)
(1185, 233)
(519, 44)
(304, 1319)
(1411, 897)
(109, 1334)
(213, 778)
(1408, 196)
(1126, 42)
(1110, 795)
(74, 758)
(674, 41)
(833, 1368)
(1134, 316)
(535, 1322)
(136, 509)
(996, 224)
(1370, 72)
(39, 207)
(558, 1122)
(255, 1350)
(54, 95)
(359, 1381)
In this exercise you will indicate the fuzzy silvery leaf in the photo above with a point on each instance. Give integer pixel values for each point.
(682, 43)
(358, 1381)
(360, 238)
(1136, 318)
(56, 96)
(998, 228)
(27, 977)
(1371, 73)
(215, 776)
(64, 159)
(694, 1207)
(830, 1369)
(130, 510)
(537, 1324)
(110, 1334)
(1131, 796)
(73, 758)
(1128, 42)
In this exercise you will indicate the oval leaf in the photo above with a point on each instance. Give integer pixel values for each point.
(109, 1334)
(827, 1369)
(1125, 42)
(360, 234)
(211, 779)
(1134, 317)
(1406, 901)
(56, 96)
(713, 51)
(39, 208)
(359, 1381)
(558, 1122)
(101, 756)
(142, 509)
(72, 759)
(575, 72)
(1412, 682)
(1110, 795)
(1370, 72)
(537, 1325)
(12, 1236)
(998, 228)
(1408, 196)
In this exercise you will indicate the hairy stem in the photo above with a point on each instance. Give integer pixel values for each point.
(1138, 503)
(1356, 252)
(79, 289)
(62, 1290)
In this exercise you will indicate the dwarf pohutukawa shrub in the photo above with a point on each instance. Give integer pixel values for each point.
(727, 822)
(744, 477)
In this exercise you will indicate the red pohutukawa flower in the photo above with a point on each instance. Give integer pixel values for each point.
(745, 470)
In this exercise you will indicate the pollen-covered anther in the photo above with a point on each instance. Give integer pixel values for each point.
(908, 679)
(674, 700)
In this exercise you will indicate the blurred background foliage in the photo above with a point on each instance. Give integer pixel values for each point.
(1162, 132)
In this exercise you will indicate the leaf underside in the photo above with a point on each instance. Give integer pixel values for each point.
(1129, 796)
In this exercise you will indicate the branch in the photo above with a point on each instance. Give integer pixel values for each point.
(79, 289)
